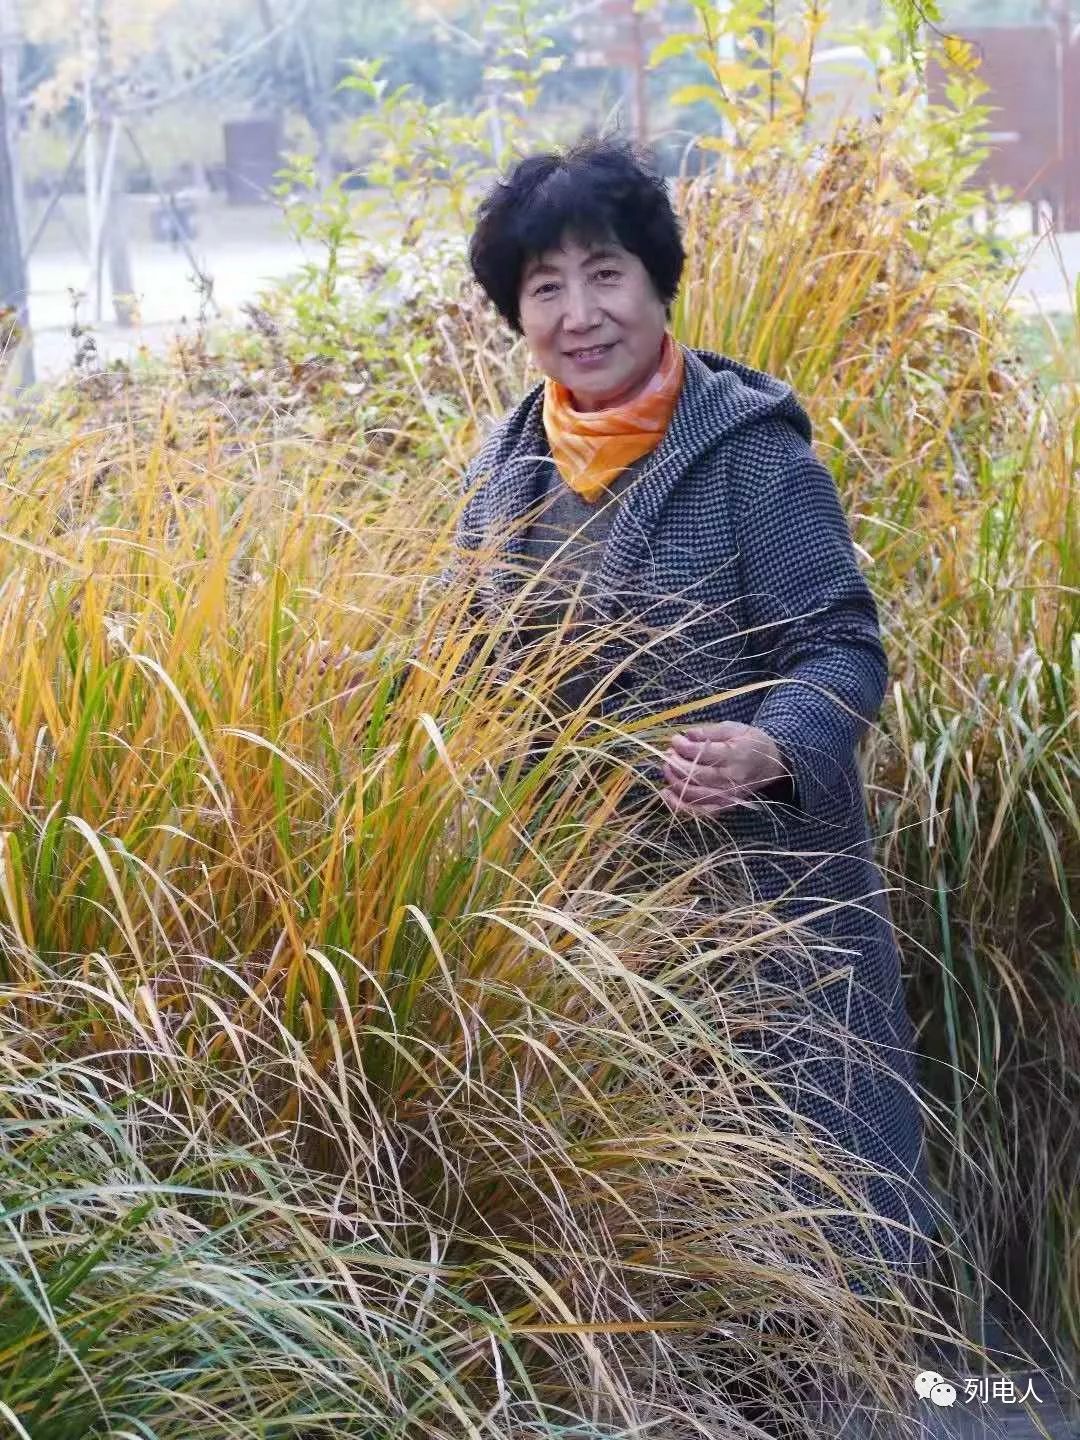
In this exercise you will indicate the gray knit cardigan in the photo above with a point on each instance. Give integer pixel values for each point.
(735, 531)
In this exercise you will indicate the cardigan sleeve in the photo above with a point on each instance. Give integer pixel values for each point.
(815, 624)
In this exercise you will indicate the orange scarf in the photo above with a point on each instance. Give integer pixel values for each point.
(591, 447)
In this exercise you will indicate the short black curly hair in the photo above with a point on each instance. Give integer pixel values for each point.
(599, 188)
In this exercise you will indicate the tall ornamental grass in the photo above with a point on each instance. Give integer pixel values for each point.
(365, 1072)
(861, 271)
(361, 1072)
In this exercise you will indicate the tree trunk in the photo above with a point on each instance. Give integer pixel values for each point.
(315, 107)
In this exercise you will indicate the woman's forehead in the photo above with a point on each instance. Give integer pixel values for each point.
(570, 251)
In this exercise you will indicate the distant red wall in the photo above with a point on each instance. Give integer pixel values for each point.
(1021, 65)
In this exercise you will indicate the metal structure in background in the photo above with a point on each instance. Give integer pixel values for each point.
(1033, 74)
(613, 35)
(104, 170)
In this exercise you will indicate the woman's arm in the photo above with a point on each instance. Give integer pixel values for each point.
(816, 627)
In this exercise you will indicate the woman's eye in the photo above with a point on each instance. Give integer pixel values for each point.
(541, 288)
(600, 273)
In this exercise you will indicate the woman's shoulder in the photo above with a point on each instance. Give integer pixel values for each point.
(771, 440)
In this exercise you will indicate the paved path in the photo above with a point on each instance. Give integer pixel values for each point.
(243, 249)
(1051, 274)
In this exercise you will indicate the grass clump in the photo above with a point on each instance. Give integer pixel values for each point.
(382, 1032)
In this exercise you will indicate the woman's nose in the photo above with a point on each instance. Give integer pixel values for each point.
(581, 309)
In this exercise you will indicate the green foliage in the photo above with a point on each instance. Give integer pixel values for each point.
(912, 15)
(520, 34)
(404, 231)
(760, 95)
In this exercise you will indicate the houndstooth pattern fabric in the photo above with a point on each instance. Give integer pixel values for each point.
(733, 539)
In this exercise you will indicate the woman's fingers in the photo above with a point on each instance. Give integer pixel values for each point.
(708, 790)
(702, 788)
(712, 806)
(688, 790)
(697, 784)
(344, 656)
(705, 752)
(713, 730)
(693, 792)
(700, 773)
(684, 774)
(324, 659)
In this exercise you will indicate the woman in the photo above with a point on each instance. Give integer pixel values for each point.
(684, 493)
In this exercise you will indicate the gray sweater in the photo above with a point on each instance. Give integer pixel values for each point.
(562, 517)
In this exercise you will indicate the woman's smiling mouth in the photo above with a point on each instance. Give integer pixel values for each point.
(593, 353)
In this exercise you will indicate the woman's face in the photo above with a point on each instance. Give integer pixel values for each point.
(579, 296)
